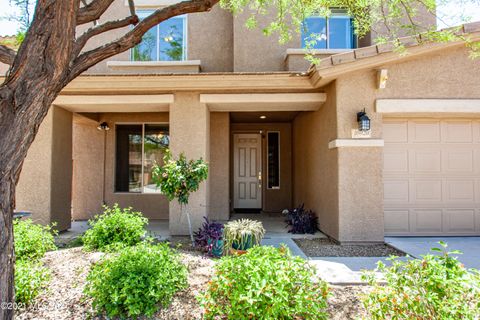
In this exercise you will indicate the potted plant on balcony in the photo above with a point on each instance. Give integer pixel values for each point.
(241, 235)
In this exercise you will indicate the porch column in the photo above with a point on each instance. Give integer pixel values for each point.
(189, 133)
(45, 184)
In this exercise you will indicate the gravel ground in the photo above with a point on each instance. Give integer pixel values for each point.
(328, 248)
(64, 299)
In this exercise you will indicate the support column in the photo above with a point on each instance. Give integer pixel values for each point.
(190, 134)
(45, 184)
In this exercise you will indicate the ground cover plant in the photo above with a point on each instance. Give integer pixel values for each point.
(115, 228)
(209, 238)
(301, 221)
(434, 287)
(136, 281)
(265, 283)
(32, 241)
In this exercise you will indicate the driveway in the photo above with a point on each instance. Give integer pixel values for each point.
(418, 246)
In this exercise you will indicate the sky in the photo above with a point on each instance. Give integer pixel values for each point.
(451, 13)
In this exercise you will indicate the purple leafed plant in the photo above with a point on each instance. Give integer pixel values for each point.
(301, 221)
(208, 235)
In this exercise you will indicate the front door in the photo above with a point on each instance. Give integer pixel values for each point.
(247, 166)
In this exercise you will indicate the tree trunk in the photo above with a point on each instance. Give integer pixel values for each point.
(7, 192)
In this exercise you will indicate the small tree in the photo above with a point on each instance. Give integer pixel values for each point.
(178, 178)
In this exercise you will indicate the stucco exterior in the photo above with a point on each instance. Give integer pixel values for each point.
(44, 187)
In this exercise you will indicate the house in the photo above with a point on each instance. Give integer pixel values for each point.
(275, 131)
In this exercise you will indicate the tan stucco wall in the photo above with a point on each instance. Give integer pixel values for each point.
(45, 182)
(87, 190)
(153, 206)
(3, 69)
(190, 134)
(274, 200)
(219, 170)
(315, 166)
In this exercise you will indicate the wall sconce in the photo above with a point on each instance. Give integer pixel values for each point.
(103, 126)
(363, 121)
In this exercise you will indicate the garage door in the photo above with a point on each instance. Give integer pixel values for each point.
(431, 177)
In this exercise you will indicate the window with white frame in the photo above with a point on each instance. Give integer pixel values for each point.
(166, 41)
(138, 148)
(334, 32)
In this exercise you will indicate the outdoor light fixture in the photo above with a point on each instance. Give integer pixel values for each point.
(263, 117)
(363, 121)
(103, 126)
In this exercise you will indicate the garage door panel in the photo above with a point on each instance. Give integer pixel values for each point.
(396, 191)
(460, 191)
(395, 160)
(440, 160)
(457, 131)
(426, 160)
(395, 131)
(459, 160)
(460, 220)
(427, 221)
(397, 221)
(424, 131)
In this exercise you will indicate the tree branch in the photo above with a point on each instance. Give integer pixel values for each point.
(134, 37)
(93, 11)
(111, 25)
(7, 55)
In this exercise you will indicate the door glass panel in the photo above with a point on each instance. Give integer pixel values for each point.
(273, 160)
(128, 158)
(156, 141)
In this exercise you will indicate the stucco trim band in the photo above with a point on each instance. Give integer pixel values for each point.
(244, 102)
(342, 143)
(394, 106)
(115, 103)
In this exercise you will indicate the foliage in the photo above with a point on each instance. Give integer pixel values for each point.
(302, 221)
(32, 240)
(242, 234)
(175, 49)
(265, 283)
(389, 20)
(178, 178)
(435, 287)
(136, 281)
(208, 235)
(31, 278)
(114, 229)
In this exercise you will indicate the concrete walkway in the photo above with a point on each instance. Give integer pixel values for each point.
(418, 246)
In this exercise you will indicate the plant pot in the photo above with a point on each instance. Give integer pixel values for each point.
(217, 247)
(246, 244)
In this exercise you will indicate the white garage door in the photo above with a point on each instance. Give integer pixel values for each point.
(431, 177)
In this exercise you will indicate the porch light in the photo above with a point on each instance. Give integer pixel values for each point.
(263, 117)
(363, 121)
(103, 126)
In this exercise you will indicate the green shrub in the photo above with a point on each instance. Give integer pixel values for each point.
(31, 278)
(115, 228)
(136, 281)
(265, 283)
(434, 287)
(32, 240)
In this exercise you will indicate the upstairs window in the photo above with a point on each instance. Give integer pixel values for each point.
(334, 32)
(166, 41)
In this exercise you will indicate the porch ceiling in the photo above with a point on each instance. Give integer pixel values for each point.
(254, 117)
(115, 103)
(257, 102)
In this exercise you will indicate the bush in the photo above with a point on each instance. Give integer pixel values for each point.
(32, 240)
(302, 221)
(31, 278)
(435, 287)
(136, 281)
(265, 283)
(115, 228)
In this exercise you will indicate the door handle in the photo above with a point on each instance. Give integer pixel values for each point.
(259, 179)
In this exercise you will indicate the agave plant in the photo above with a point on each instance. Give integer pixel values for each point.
(242, 234)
